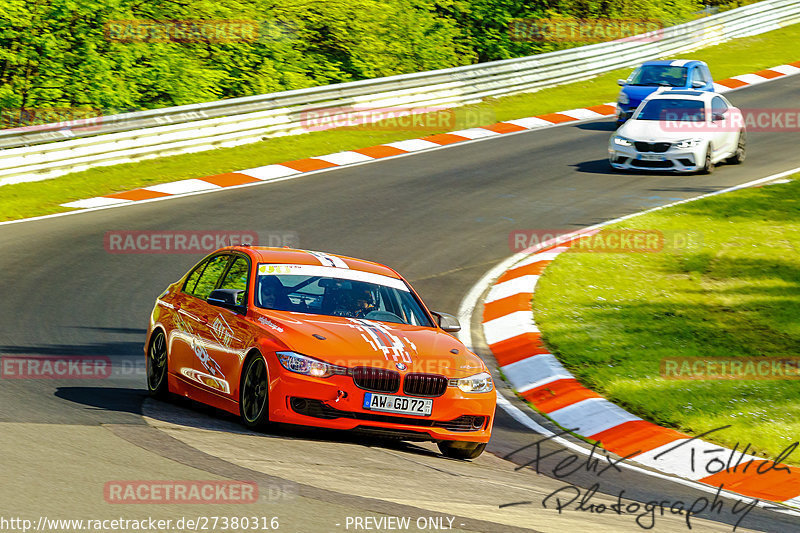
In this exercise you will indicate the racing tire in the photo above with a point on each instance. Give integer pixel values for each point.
(457, 449)
(253, 393)
(708, 166)
(739, 155)
(157, 358)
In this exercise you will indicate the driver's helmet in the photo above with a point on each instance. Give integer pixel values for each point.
(360, 300)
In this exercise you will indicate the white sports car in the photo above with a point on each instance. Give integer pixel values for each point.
(680, 131)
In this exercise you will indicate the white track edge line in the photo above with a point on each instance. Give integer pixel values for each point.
(470, 302)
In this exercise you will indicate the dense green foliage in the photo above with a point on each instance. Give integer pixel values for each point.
(60, 53)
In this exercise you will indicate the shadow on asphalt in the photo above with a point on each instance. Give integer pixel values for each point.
(184, 412)
(605, 125)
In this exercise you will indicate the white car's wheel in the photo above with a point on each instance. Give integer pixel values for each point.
(739, 155)
(708, 166)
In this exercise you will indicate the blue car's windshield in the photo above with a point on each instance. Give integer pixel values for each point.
(678, 110)
(655, 75)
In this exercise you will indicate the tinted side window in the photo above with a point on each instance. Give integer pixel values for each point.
(191, 280)
(236, 278)
(699, 74)
(718, 105)
(210, 276)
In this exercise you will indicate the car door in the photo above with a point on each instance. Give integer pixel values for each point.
(229, 332)
(183, 322)
(193, 360)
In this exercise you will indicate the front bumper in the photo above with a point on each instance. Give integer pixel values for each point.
(337, 403)
(672, 160)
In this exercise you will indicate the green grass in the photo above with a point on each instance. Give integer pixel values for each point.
(41, 198)
(733, 291)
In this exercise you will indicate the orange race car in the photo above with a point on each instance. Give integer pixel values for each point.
(301, 337)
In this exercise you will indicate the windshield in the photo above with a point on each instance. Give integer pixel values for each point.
(332, 291)
(664, 75)
(673, 110)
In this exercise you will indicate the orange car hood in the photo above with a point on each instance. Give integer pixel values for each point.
(355, 342)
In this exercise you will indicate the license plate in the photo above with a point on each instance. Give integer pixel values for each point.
(398, 404)
(650, 157)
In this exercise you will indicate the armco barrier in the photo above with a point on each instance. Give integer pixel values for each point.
(51, 152)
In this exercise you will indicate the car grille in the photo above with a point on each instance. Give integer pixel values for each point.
(319, 409)
(652, 164)
(429, 385)
(651, 147)
(375, 379)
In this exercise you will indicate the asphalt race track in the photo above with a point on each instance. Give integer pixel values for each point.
(442, 219)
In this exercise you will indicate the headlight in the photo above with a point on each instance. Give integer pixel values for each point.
(308, 366)
(688, 143)
(623, 98)
(478, 383)
(622, 141)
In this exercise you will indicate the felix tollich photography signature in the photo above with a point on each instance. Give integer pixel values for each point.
(646, 513)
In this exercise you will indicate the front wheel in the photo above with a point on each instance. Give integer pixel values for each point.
(157, 384)
(739, 155)
(253, 397)
(456, 449)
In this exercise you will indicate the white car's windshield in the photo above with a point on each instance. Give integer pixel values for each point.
(664, 75)
(678, 110)
(331, 291)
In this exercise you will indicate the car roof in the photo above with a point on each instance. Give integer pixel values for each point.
(705, 96)
(684, 92)
(264, 254)
(674, 62)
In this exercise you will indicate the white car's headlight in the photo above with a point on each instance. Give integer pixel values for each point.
(478, 383)
(688, 143)
(623, 98)
(308, 366)
(622, 141)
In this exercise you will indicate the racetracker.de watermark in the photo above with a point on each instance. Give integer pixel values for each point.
(49, 118)
(183, 31)
(181, 492)
(55, 367)
(749, 119)
(606, 240)
(744, 368)
(585, 30)
(430, 118)
(192, 241)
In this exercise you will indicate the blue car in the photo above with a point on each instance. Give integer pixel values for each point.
(650, 75)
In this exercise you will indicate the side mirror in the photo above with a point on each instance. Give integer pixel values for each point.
(698, 84)
(622, 82)
(226, 298)
(447, 322)
(717, 116)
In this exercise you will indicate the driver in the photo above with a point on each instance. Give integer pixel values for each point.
(355, 302)
(363, 302)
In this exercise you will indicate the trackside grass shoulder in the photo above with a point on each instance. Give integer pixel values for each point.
(726, 286)
(44, 197)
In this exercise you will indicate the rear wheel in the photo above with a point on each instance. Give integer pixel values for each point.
(253, 397)
(157, 366)
(457, 449)
(708, 167)
(739, 155)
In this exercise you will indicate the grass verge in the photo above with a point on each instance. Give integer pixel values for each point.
(726, 286)
(41, 198)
